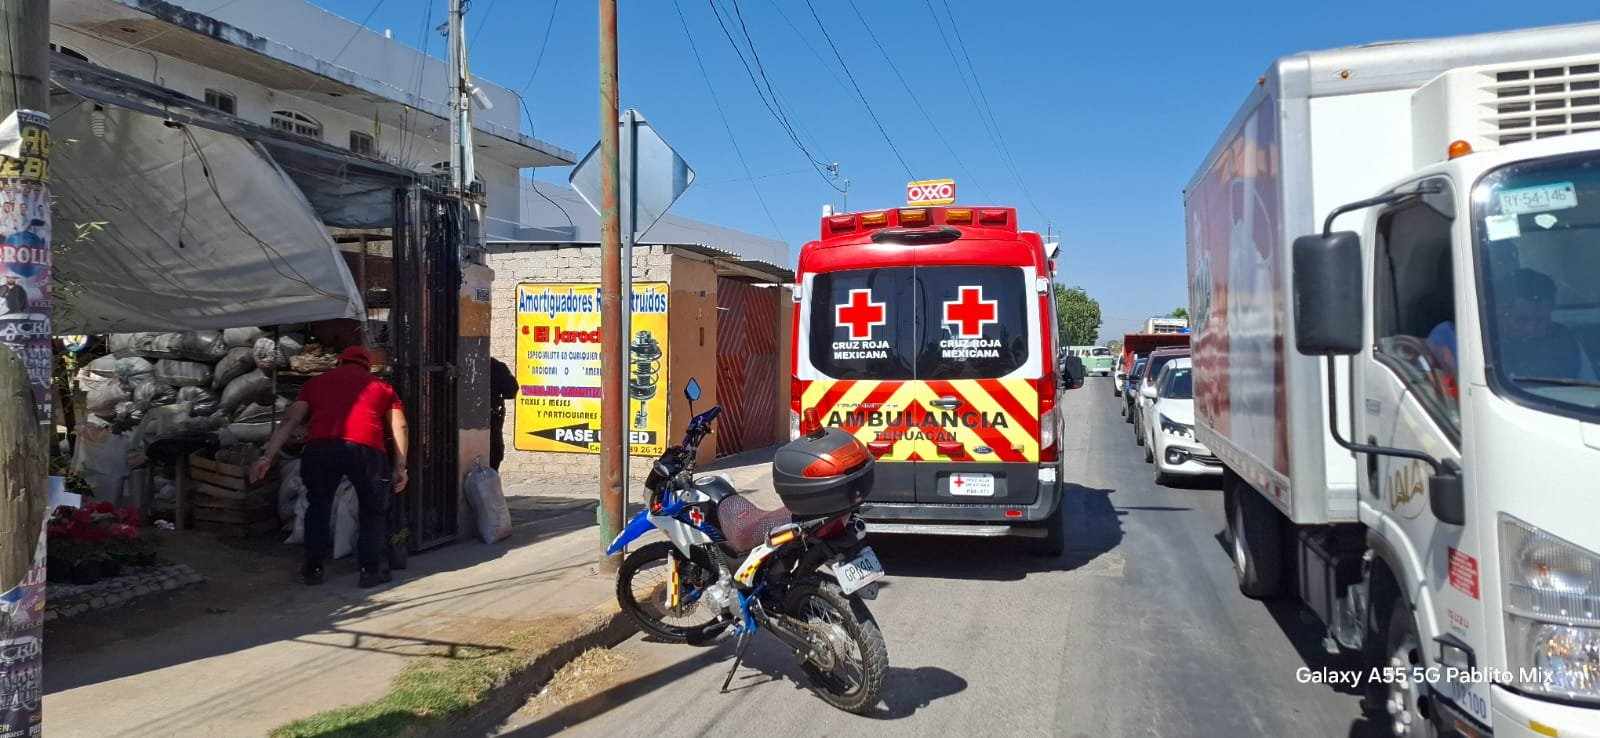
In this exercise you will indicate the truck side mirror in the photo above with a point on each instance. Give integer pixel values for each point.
(1327, 294)
(1447, 497)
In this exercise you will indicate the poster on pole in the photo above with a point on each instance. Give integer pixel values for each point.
(558, 368)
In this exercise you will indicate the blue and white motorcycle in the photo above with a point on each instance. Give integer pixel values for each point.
(802, 572)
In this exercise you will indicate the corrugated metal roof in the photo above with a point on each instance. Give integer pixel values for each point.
(554, 214)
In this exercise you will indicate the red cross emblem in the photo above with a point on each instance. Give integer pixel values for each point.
(970, 313)
(861, 314)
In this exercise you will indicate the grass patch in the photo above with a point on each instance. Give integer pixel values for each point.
(431, 691)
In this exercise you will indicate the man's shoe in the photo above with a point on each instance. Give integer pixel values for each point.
(371, 578)
(311, 574)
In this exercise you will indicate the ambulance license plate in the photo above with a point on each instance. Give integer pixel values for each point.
(972, 485)
(858, 572)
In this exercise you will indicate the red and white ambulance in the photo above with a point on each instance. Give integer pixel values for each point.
(928, 333)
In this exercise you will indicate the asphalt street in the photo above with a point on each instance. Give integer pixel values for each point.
(1138, 630)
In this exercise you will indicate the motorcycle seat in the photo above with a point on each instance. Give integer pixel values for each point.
(746, 526)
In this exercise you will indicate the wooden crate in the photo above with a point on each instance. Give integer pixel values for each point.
(224, 501)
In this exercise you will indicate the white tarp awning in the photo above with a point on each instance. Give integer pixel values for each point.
(200, 229)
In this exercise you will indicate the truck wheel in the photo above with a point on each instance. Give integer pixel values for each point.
(1406, 701)
(1257, 532)
(1054, 542)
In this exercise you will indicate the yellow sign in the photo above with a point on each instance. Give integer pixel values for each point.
(558, 368)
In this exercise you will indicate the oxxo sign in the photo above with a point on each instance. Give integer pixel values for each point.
(931, 192)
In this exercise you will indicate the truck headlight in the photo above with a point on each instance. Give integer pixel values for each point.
(1551, 595)
(1174, 428)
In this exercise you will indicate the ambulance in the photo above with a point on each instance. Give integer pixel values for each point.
(929, 334)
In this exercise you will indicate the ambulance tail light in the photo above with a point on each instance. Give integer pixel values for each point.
(998, 217)
(1048, 450)
(841, 224)
(796, 427)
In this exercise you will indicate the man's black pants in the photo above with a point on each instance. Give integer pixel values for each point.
(322, 467)
(497, 441)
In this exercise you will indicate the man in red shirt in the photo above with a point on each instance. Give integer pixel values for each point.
(348, 409)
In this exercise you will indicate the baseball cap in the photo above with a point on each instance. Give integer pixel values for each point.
(356, 355)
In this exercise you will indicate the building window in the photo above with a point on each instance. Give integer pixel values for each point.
(69, 51)
(299, 124)
(223, 101)
(362, 143)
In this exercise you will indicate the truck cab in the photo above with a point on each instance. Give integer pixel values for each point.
(928, 333)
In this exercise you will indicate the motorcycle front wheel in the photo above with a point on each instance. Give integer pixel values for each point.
(643, 586)
(850, 675)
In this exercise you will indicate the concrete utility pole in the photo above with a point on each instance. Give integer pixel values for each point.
(461, 156)
(613, 395)
(26, 360)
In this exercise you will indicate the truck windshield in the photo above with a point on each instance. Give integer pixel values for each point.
(1538, 232)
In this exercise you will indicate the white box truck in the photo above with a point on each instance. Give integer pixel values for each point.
(1420, 223)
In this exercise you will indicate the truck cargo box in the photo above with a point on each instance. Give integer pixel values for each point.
(1318, 130)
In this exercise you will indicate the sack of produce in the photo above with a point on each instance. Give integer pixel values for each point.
(488, 502)
(192, 345)
(233, 364)
(179, 373)
(202, 401)
(105, 366)
(242, 337)
(104, 393)
(253, 413)
(268, 355)
(252, 386)
(129, 367)
(290, 345)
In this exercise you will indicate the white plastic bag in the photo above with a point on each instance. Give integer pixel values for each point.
(488, 502)
(291, 490)
(297, 533)
(346, 520)
(245, 337)
(179, 373)
(101, 457)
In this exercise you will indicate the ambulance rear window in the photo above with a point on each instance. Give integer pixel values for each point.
(975, 322)
(863, 324)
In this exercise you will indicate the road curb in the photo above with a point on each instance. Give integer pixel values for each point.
(602, 626)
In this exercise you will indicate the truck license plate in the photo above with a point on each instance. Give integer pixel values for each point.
(859, 572)
(972, 485)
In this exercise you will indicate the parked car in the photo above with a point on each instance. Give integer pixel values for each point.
(1144, 393)
(1170, 443)
(1127, 385)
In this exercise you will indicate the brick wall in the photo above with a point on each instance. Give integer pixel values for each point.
(554, 473)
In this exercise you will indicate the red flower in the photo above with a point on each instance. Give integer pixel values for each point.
(82, 517)
(129, 516)
(104, 506)
(56, 530)
(124, 531)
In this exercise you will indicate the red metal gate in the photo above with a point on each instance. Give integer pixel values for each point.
(747, 365)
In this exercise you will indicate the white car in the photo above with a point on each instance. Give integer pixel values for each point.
(1169, 427)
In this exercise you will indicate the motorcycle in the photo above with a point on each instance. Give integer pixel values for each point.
(801, 573)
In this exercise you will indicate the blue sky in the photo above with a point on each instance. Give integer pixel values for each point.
(1106, 108)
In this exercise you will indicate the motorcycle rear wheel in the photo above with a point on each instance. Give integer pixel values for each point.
(642, 593)
(854, 681)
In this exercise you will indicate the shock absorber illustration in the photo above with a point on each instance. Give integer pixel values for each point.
(645, 355)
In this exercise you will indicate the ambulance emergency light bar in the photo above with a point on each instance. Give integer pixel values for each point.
(838, 225)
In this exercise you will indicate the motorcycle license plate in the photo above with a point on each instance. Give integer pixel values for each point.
(972, 485)
(858, 572)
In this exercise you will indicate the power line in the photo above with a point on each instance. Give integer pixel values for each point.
(717, 102)
(761, 69)
(482, 23)
(803, 40)
(776, 113)
(926, 116)
(543, 44)
(1005, 151)
(859, 93)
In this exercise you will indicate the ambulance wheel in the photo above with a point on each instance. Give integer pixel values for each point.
(1054, 541)
(1257, 532)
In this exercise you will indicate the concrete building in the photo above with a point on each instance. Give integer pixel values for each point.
(294, 66)
(729, 322)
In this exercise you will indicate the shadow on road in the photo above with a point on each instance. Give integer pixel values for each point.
(905, 691)
(1093, 527)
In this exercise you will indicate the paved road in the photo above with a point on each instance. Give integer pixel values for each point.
(1138, 630)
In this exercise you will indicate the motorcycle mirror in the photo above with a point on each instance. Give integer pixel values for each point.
(692, 390)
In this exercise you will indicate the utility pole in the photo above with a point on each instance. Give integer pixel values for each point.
(26, 358)
(613, 395)
(462, 166)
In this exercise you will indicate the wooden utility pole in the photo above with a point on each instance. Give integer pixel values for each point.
(26, 356)
(613, 395)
